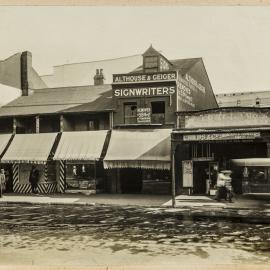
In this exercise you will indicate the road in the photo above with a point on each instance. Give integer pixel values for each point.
(104, 235)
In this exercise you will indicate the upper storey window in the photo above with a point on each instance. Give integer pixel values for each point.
(151, 64)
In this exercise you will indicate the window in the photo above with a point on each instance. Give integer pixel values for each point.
(130, 113)
(158, 112)
(238, 102)
(151, 64)
(258, 101)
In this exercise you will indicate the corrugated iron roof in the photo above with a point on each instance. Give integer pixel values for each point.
(52, 100)
(103, 103)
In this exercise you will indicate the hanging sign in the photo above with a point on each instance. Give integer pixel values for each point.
(187, 166)
(143, 115)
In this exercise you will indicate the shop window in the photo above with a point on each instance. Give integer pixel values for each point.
(80, 176)
(151, 64)
(158, 112)
(130, 113)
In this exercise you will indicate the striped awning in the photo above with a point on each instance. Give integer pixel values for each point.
(4, 140)
(251, 162)
(30, 148)
(82, 145)
(147, 149)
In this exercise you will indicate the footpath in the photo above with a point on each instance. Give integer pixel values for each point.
(243, 208)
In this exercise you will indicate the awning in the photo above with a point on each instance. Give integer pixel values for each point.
(147, 149)
(82, 145)
(30, 148)
(251, 162)
(4, 140)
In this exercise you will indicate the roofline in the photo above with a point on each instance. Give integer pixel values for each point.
(224, 109)
(87, 62)
(37, 89)
(10, 56)
(239, 93)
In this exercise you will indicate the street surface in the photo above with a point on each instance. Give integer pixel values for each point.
(113, 235)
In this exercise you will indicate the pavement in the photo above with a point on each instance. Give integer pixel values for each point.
(203, 206)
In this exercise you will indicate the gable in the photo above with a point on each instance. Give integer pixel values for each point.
(194, 90)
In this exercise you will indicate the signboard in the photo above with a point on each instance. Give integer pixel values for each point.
(222, 136)
(144, 77)
(187, 166)
(187, 87)
(143, 115)
(144, 91)
(228, 119)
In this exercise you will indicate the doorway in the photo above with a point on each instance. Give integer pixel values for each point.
(131, 180)
(199, 177)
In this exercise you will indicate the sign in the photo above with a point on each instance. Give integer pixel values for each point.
(143, 115)
(144, 91)
(228, 119)
(222, 136)
(187, 166)
(145, 77)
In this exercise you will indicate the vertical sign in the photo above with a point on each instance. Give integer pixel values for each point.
(143, 115)
(187, 166)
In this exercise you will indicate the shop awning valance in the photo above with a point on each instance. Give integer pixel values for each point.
(30, 148)
(251, 162)
(4, 140)
(147, 149)
(83, 145)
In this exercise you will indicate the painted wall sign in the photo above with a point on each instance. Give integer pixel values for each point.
(146, 77)
(143, 115)
(225, 119)
(187, 166)
(144, 91)
(222, 136)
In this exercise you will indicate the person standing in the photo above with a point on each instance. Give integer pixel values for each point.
(2, 182)
(33, 179)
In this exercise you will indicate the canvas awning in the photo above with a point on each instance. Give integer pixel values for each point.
(251, 162)
(82, 145)
(4, 140)
(147, 149)
(30, 148)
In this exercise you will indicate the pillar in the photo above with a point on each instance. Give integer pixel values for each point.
(61, 123)
(61, 178)
(14, 125)
(37, 124)
(111, 120)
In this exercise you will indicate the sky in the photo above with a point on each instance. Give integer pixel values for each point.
(234, 41)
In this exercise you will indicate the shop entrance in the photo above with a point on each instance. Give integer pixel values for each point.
(131, 180)
(204, 176)
(199, 177)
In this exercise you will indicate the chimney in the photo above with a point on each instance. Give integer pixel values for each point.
(99, 77)
(26, 64)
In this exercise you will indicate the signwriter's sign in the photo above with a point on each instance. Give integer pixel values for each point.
(187, 166)
(144, 91)
(141, 78)
(222, 136)
(143, 115)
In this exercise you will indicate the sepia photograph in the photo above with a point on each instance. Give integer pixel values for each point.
(134, 137)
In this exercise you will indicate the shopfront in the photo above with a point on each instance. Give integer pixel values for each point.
(27, 151)
(79, 158)
(208, 142)
(138, 161)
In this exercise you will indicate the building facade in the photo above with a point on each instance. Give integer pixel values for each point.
(112, 138)
(210, 141)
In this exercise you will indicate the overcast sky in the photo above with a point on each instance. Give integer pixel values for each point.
(234, 42)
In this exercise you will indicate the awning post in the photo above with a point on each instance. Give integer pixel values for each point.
(173, 176)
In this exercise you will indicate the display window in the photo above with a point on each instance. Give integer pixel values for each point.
(84, 176)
